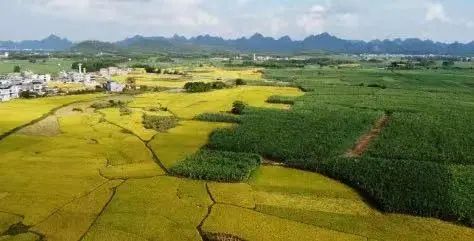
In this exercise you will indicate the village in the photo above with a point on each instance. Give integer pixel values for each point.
(28, 84)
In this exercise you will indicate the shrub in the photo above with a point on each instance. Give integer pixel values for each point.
(281, 100)
(217, 166)
(159, 123)
(238, 107)
(218, 85)
(240, 82)
(156, 109)
(218, 117)
(377, 86)
(76, 109)
(125, 111)
(195, 87)
(108, 104)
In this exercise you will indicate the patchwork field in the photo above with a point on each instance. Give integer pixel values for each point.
(202, 74)
(173, 165)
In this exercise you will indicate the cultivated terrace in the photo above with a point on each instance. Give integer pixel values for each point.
(222, 151)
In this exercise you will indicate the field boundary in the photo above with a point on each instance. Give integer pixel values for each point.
(365, 140)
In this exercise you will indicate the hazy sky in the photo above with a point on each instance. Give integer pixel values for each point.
(442, 20)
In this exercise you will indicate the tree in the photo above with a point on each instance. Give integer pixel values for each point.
(447, 64)
(238, 107)
(16, 69)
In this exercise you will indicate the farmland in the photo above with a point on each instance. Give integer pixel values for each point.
(49, 66)
(172, 165)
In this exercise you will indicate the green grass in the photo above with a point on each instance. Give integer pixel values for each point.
(217, 166)
(51, 66)
(430, 122)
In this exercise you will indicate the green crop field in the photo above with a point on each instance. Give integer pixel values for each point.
(49, 66)
(80, 168)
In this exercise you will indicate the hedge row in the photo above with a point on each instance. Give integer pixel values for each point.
(218, 117)
(276, 99)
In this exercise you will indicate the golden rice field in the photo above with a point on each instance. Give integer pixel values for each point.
(203, 74)
(99, 175)
(20, 112)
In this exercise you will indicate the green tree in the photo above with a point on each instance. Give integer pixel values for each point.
(447, 64)
(16, 69)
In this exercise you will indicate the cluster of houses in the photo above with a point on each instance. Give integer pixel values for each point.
(91, 79)
(13, 84)
(268, 58)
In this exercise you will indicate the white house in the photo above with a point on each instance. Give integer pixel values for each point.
(4, 94)
(113, 86)
(8, 92)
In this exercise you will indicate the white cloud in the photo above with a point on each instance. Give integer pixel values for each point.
(470, 24)
(356, 19)
(178, 13)
(314, 20)
(436, 12)
(349, 20)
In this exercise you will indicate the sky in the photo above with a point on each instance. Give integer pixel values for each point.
(111, 20)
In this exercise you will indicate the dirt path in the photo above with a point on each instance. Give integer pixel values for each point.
(364, 141)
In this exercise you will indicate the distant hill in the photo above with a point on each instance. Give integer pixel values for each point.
(93, 46)
(52, 43)
(254, 44)
(322, 42)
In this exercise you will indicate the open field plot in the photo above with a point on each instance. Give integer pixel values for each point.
(187, 106)
(20, 112)
(281, 204)
(132, 121)
(204, 74)
(57, 174)
(182, 141)
(99, 174)
(432, 80)
(154, 80)
(223, 74)
(163, 208)
(67, 87)
(428, 120)
(50, 66)
(272, 133)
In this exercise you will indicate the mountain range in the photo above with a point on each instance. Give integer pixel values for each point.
(254, 44)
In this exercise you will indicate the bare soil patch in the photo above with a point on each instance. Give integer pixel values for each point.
(364, 141)
(221, 237)
(268, 162)
(46, 127)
